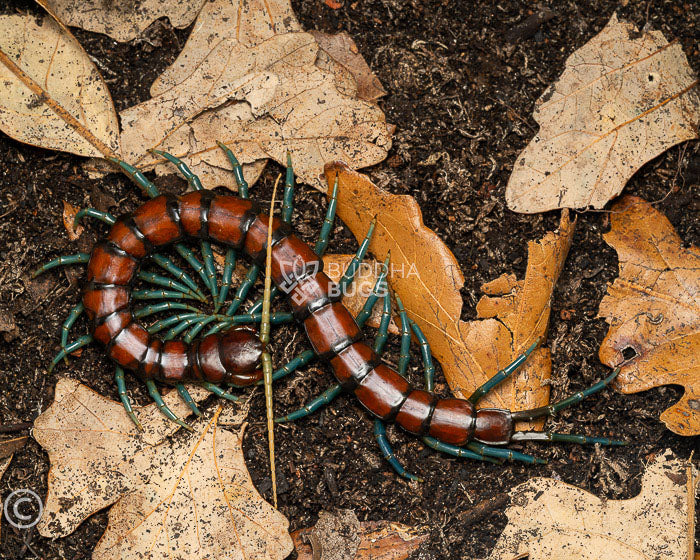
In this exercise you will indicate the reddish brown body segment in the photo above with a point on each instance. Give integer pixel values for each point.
(233, 356)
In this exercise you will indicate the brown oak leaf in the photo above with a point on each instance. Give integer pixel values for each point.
(653, 308)
(624, 98)
(177, 497)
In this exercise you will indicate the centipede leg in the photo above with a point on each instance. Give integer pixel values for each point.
(138, 177)
(237, 171)
(164, 323)
(366, 310)
(350, 271)
(457, 451)
(194, 262)
(105, 217)
(159, 280)
(78, 258)
(126, 402)
(229, 266)
(68, 324)
(325, 233)
(242, 292)
(290, 367)
(165, 306)
(70, 348)
(158, 399)
(549, 410)
(388, 452)
(323, 399)
(404, 355)
(219, 392)
(160, 294)
(185, 394)
(571, 438)
(179, 274)
(192, 179)
(502, 374)
(508, 454)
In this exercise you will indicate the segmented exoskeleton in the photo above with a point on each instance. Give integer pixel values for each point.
(231, 354)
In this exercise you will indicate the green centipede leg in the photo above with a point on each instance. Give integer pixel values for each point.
(242, 292)
(350, 271)
(158, 399)
(160, 294)
(279, 318)
(322, 400)
(502, 374)
(229, 266)
(78, 258)
(379, 426)
(68, 324)
(288, 198)
(138, 177)
(210, 269)
(121, 388)
(72, 347)
(173, 319)
(237, 171)
(404, 354)
(290, 367)
(164, 306)
(185, 394)
(105, 217)
(457, 451)
(169, 283)
(197, 328)
(506, 454)
(192, 179)
(179, 274)
(219, 392)
(324, 235)
(194, 262)
(177, 329)
(375, 294)
(428, 367)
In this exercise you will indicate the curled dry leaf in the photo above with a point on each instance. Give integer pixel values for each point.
(53, 96)
(427, 277)
(343, 58)
(653, 308)
(247, 77)
(69, 213)
(623, 99)
(341, 536)
(552, 520)
(180, 498)
(121, 19)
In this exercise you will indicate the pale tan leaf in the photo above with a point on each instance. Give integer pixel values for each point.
(174, 497)
(552, 520)
(653, 308)
(354, 298)
(69, 213)
(340, 536)
(251, 82)
(623, 99)
(426, 275)
(52, 95)
(124, 20)
(343, 58)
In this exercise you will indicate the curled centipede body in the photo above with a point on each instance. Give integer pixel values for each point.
(232, 356)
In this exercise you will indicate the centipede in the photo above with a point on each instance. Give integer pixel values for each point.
(229, 353)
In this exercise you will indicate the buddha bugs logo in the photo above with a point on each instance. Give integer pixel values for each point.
(298, 269)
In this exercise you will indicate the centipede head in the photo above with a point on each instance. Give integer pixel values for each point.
(241, 352)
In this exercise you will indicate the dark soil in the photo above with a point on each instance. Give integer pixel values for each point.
(461, 86)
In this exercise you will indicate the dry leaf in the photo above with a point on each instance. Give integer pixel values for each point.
(10, 446)
(371, 540)
(552, 520)
(124, 20)
(427, 277)
(179, 497)
(623, 99)
(653, 308)
(249, 79)
(53, 96)
(342, 50)
(69, 213)
(334, 265)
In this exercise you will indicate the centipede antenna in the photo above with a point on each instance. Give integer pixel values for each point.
(265, 339)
